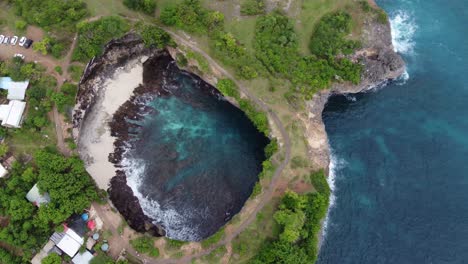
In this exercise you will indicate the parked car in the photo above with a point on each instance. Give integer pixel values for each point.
(2, 38)
(22, 41)
(19, 55)
(6, 40)
(13, 40)
(28, 43)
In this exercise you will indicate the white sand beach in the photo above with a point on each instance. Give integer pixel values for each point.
(95, 142)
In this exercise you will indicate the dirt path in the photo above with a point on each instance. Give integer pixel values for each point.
(60, 126)
(268, 193)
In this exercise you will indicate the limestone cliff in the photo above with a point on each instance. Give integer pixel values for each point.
(381, 64)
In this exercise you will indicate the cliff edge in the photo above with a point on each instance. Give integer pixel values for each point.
(380, 64)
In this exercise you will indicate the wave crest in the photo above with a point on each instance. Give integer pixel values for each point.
(403, 29)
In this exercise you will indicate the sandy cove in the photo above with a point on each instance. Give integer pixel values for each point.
(96, 142)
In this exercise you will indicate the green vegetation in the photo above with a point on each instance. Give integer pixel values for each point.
(276, 47)
(75, 72)
(328, 39)
(154, 36)
(7, 257)
(299, 217)
(58, 69)
(49, 45)
(228, 88)
(69, 186)
(93, 35)
(65, 99)
(51, 13)
(145, 6)
(145, 245)
(253, 7)
(52, 258)
(102, 258)
(189, 15)
(21, 25)
(213, 239)
(202, 62)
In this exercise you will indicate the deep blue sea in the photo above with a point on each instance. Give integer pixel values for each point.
(197, 158)
(400, 154)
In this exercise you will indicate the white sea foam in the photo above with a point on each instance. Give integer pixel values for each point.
(335, 164)
(403, 28)
(176, 224)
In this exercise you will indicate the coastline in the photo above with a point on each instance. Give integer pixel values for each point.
(381, 64)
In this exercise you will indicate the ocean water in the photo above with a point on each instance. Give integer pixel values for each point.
(399, 169)
(196, 160)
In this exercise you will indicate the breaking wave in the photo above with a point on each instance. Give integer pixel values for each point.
(335, 164)
(180, 226)
(403, 28)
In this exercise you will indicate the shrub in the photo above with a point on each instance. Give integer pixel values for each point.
(93, 35)
(228, 88)
(20, 24)
(253, 7)
(145, 6)
(156, 37)
(58, 69)
(145, 245)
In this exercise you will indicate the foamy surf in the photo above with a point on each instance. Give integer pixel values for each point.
(176, 225)
(335, 165)
(403, 28)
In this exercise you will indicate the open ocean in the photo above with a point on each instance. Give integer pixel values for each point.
(399, 170)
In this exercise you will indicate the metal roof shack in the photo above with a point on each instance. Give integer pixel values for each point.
(35, 197)
(70, 243)
(11, 114)
(83, 258)
(3, 171)
(16, 90)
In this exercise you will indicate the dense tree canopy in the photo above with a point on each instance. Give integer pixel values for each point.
(253, 7)
(154, 36)
(45, 13)
(70, 188)
(329, 39)
(145, 6)
(189, 15)
(92, 36)
(299, 217)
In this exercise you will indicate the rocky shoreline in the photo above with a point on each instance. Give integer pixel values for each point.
(381, 64)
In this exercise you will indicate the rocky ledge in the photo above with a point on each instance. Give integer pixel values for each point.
(381, 64)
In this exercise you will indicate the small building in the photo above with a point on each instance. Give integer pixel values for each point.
(83, 258)
(3, 171)
(16, 90)
(35, 197)
(69, 241)
(11, 114)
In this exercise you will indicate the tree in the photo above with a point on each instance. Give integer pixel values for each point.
(52, 258)
(146, 6)
(156, 37)
(42, 46)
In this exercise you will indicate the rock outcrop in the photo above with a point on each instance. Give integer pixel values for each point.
(381, 64)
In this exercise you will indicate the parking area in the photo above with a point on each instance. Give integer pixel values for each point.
(35, 34)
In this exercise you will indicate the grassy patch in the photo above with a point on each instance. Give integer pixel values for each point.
(28, 141)
(75, 71)
(246, 245)
(213, 239)
(201, 61)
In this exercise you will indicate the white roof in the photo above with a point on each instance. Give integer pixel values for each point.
(12, 113)
(16, 90)
(35, 197)
(3, 171)
(70, 243)
(83, 258)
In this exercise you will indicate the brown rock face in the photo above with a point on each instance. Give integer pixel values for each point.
(381, 64)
